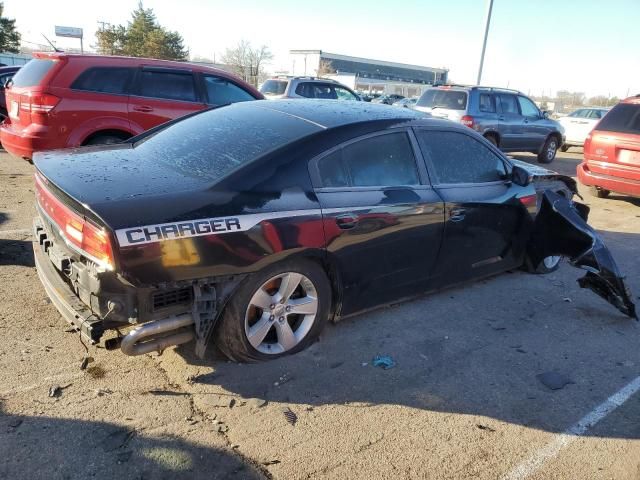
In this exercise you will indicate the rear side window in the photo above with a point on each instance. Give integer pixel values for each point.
(624, 118)
(486, 103)
(167, 85)
(380, 161)
(458, 158)
(221, 91)
(508, 104)
(449, 99)
(274, 87)
(33, 72)
(104, 80)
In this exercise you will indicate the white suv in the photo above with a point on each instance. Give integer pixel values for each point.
(307, 87)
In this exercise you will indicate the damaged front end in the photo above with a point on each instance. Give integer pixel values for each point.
(561, 228)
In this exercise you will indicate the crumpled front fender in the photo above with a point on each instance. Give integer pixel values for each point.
(561, 228)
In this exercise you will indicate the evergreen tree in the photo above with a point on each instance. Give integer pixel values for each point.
(9, 36)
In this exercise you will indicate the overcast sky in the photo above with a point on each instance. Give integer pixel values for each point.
(582, 45)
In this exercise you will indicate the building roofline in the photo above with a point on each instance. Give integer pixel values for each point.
(338, 56)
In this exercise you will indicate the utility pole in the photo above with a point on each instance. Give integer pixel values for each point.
(484, 43)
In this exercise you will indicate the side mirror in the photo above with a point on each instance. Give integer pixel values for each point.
(520, 176)
(545, 114)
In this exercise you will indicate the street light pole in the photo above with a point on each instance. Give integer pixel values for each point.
(484, 43)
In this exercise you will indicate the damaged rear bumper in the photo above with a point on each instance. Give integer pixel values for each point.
(561, 228)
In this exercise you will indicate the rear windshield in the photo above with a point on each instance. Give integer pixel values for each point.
(211, 144)
(273, 87)
(32, 73)
(449, 99)
(624, 117)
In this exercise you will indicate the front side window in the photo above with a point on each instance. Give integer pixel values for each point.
(344, 94)
(459, 158)
(508, 104)
(324, 91)
(221, 91)
(167, 85)
(112, 80)
(528, 108)
(380, 161)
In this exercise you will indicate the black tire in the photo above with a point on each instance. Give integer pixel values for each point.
(492, 139)
(599, 192)
(564, 148)
(231, 337)
(549, 150)
(104, 140)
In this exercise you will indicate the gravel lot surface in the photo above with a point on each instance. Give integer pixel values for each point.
(465, 399)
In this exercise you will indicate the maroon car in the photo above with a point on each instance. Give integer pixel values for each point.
(59, 100)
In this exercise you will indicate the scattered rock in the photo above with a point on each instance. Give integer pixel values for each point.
(554, 380)
(232, 403)
(364, 364)
(256, 402)
(222, 428)
(101, 392)
(55, 391)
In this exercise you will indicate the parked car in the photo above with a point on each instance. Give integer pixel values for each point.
(507, 118)
(406, 103)
(577, 125)
(6, 74)
(612, 152)
(387, 99)
(60, 100)
(256, 236)
(367, 97)
(307, 87)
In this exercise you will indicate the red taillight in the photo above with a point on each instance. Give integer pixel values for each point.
(89, 239)
(41, 103)
(529, 200)
(467, 121)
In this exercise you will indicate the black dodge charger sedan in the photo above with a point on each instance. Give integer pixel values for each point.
(253, 224)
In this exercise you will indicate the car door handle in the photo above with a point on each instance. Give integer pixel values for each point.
(143, 108)
(457, 214)
(347, 221)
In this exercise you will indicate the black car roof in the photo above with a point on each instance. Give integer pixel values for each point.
(332, 113)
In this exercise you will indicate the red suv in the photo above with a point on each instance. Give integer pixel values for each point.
(612, 152)
(59, 100)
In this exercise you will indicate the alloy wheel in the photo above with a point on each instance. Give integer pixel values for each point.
(281, 313)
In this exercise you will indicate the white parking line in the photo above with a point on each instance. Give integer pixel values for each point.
(550, 450)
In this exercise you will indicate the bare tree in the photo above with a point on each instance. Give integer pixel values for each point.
(325, 68)
(247, 62)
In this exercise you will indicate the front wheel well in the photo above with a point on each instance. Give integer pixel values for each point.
(493, 135)
(121, 134)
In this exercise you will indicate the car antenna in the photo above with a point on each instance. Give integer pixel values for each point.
(55, 49)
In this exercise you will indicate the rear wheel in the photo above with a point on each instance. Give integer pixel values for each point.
(564, 148)
(549, 150)
(275, 312)
(104, 140)
(599, 192)
(492, 138)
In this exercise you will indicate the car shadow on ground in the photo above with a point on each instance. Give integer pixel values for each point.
(476, 350)
(16, 252)
(45, 447)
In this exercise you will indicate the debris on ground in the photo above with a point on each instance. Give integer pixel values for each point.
(270, 462)
(291, 417)
(567, 299)
(56, 390)
(101, 392)
(282, 380)
(554, 380)
(256, 402)
(383, 361)
(485, 427)
(222, 428)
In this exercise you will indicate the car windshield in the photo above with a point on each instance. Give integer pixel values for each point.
(449, 99)
(624, 118)
(274, 87)
(211, 144)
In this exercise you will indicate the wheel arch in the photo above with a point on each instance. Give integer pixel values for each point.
(113, 132)
(493, 133)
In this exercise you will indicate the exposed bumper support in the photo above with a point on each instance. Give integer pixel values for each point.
(561, 229)
(158, 335)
